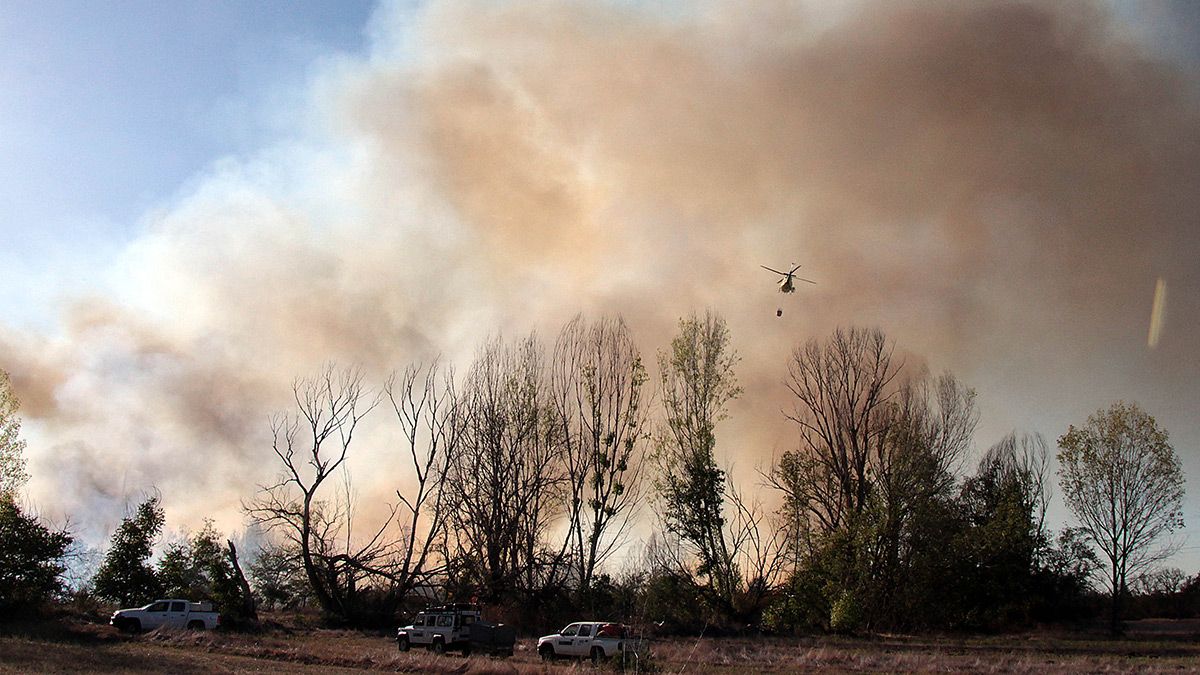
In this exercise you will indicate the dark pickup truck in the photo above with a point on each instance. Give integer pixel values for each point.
(457, 627)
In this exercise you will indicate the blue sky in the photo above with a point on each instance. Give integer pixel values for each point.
(108, 108)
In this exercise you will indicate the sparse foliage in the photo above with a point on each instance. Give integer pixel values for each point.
(1122, 479)
(506, 482)
(730, 549)
(278, 578)
(597, 380)
(12, 448)
(698, 382)
(841, 394)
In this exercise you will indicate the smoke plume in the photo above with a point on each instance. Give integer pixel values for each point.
(998, 185)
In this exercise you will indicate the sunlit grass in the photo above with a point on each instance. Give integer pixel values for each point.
(1173, 648)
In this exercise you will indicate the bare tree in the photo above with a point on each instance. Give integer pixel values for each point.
(429, 414)
(506, 481)
(248, 608)
(1023, 460)
(876, 465)
(928, 426)
(842, 390)
(911, 475)
(311, 446)
(1122, 479)
(760, 549)
(597, 380)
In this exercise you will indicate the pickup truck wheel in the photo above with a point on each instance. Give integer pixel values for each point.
(402, 644)
(130, 626)
(597, 655)
(466, 651)
(195, 625)
(438, 647)
(546, 652)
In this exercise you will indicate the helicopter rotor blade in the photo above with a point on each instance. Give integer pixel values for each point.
(794, 269)
(808, 280)
(775, 271)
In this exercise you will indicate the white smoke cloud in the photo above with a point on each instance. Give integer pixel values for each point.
(995, 184)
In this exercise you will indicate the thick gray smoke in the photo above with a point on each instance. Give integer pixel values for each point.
(997, 185)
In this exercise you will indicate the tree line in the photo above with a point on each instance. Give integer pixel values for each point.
(527, 475)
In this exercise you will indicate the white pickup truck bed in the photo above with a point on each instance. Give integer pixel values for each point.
(592, 639)
(171, 613)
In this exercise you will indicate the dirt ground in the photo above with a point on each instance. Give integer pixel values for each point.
(1149, 647)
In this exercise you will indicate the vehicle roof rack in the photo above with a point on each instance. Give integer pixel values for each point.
(454, 607)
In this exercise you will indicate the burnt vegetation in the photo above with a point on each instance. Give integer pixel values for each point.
(551, 483)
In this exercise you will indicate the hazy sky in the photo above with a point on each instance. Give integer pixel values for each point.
(200, 202)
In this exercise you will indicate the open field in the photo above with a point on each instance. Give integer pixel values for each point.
(1150, 647)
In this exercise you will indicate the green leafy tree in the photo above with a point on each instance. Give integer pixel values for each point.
(1004, 539)
(12, 448)
(221, 581)
(1065, 577)
(698, 382)
(31, 558)
(126, 576)
(177, 572)
(200, 568)
(1122, 479)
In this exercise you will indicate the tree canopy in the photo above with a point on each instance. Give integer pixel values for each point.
(1122, 479)
(126, 576)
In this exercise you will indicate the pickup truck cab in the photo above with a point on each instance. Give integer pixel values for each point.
(171, 613)
(597, 640)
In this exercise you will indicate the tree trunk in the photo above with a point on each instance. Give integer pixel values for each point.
(249, 610)
(1118, 586)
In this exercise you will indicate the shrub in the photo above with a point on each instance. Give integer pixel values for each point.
(31, 559)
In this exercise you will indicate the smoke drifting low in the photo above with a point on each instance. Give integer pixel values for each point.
(998, 185)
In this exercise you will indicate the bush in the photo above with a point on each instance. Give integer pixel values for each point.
(845, 616)
(126, 576)
(31, 559)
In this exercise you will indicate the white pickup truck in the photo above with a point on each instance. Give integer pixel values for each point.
(597, 640)
(170, 613)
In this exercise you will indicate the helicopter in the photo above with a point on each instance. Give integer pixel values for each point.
(786, 284)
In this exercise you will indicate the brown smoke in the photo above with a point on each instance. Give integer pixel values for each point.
(997, 185)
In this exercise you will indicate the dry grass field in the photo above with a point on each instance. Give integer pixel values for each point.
(79, 647)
